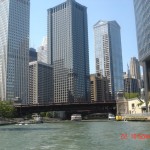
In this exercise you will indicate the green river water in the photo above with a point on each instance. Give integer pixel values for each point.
(67, 135)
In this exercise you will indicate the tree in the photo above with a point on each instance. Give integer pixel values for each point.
(42, 114)
(55, 114)
(131, 95)
(7, 110)
(49, 114)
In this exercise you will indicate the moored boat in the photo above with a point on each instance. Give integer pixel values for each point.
(37, 118)
(76, 117)
(111, 116)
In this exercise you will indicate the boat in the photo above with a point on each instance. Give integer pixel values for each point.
(76, 117)
(22, 123)
(111, 116)
(37, 118)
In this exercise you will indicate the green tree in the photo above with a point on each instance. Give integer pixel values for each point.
(131, 95)
(49, 114)
(55, 114)
(42, 114)
(7, 110)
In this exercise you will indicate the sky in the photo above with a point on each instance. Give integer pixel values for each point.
(120, 10)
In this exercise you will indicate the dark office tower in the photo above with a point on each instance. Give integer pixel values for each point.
(14, 49)
(32, 55)
(68, 52)
(99, 88)
(142, 17)
(108, 54)
(131, 85)
(135, 68)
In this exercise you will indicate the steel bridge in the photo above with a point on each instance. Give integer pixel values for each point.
(96, 107)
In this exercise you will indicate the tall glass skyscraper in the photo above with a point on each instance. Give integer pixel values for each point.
(142, 18)
(68, 52)
(14, 49)
(108, 53)
(135, 68)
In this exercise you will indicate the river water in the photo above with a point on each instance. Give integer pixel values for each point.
(67, 135)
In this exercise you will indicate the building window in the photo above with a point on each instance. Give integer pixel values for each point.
(132, 105)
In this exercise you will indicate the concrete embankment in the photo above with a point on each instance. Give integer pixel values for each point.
(6, 123)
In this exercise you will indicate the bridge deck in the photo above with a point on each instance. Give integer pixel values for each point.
(101, 107)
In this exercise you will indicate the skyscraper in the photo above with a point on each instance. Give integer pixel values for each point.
(42, 51)
(135, 68)
(68, 52)
(108, 53)
(142, 18)
(99, 88)
(131, 85)
(32, 54)
(40, 83)
(14, 49)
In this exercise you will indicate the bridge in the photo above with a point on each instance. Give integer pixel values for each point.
(96, 107)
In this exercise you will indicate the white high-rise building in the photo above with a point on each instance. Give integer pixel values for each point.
(108, 53)
(14, 49)
(42, 51)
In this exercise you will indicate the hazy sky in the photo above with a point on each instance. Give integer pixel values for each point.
(120, 10)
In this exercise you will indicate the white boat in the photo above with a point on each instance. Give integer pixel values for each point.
(22, 123)
(111, 116)
(76, 117)
(37, 118)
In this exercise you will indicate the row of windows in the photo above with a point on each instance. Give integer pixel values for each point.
(27, 2)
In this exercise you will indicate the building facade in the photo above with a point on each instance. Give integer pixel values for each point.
(68, 52)
(40, 83)
(135, 106)
(42, 51)
(131, 85)
(14, 49)
(32, 55)
(135, 68)
(108, 53)
(99, 88)
(142, 18)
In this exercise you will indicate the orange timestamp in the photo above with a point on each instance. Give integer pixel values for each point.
(135, 136)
